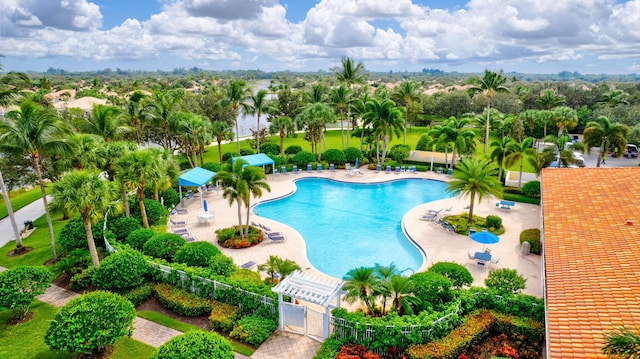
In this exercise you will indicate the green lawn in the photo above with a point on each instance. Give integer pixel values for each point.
(26, 340)
(20, 199)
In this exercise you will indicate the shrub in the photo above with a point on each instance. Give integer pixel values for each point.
(181, 301)
(163, 245)
(423, 143)
(227, 156)
(505, 281)
(253, 329)
(329, 349)
(230, 237)
(121, 270)
(90, 322)
(155, 210)
(292, 150)
(246, 152)
(532, 236)
(73, 235)
(83, 279)
(223, 316)
(334, 155)
(196, 254)
(123, 226)
(171, 197)
(399, 152)
(211, 166)
(270, 148)
(222, 265)
(351, 153)
(20, 285)
(355, 351)
(74, 262)
(531, 189)
(139, 294)
(493, 221)
(458, 274)
(139, 237)
(432, 288)
(195, 345)
(302, 158)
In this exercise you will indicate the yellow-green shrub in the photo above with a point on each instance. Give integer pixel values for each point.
(223, 316)
(181, 301)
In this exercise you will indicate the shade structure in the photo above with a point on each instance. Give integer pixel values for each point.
(259, 159)
(204, 206)
(484, 237)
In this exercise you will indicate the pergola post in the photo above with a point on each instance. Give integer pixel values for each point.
(281, 312)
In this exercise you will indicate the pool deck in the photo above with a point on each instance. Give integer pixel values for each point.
(438, 244)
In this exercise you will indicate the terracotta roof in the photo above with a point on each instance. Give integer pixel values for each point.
(592, 256)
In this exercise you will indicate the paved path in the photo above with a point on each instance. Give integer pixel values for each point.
(30, 212)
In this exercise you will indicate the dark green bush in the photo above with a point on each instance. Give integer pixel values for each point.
(227, 156)
(123, 226)
(20, 285)
(520, 305)
(223, 316)
(422, 143)
(329, 349)
(139, 294)
(82, 279)
(171, 197)
(302, 158)
(89, 323)
(532, 236)
(121, 270)
(211, 166)
(458, 274)
(155, 210)
(222, 265)
(433, 289)
(493, 221)
(74, 262)
(505, 281)
(399, 152)
(253, 329)
(195, 345)
(181, 301)
(531, 189)
(139, 237)
(334, 155)
(196, 254)
(73, 236)
(246, 152)
(270, 148)
(163, 245)
(292, 150)
(351, 153)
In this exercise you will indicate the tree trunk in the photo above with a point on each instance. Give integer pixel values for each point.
(385, 140)
(219, 148)
(258, 138)
(143, 210)
(486, 141)
(125, 199)
(248, 214)
(473, 198)
(282, 142)
(43, 192)
(406, 118)
(12, 218)
(342, 130)
(240, 218)
(90, 241)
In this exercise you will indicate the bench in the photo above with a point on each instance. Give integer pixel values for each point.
(505, 204)
(248, 265)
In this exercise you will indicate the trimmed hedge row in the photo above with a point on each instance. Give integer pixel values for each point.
(181, 301)
(253, 329)
(139, 294)
(223, 316)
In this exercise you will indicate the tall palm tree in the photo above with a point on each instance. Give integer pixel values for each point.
(162, 107)
(475, 178)
(340, 100)
(138, 111)
(84, 192)
(350, 73)
(106, 122)
(386, 120)
(462, 138)
(564, 118)
(16, 233)
(622, 343)
(517, 152)
(549, 99)
(282, 125)
(11, 86)
(489, 84)
(407, 92)
(256, 181)
(257, 106)
(358, 109)
(108, 154)
(499, 152)
(602, 133)
(237, 93)
(615, 97)
(222, 132)
(361, 283)
(31, 130)
(168, 170)
(315, 117)
(441, 137)
(142, 168)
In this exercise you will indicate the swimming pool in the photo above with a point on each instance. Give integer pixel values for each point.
(349, 225)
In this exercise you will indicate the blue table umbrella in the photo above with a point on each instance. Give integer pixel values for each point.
(204, 205)
(485, 237)
(356, 162)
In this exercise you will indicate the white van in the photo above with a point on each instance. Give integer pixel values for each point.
(631, 151)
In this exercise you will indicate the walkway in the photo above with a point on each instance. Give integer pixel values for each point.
(30, 212)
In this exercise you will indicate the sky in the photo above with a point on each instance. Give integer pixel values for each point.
(529, 36)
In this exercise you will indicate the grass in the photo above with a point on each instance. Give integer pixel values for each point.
(187, 328)
(19, 199)
(26, 340)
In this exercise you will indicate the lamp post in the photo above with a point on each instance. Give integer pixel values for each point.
(16, 232)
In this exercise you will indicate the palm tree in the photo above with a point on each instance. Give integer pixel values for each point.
(615, 97)
(282, 125)
(499, 152)
(106, 122)
(255, 181)
(549, 99)
(16, 233)
(386, 120)
(108, 154)
(489, 84)
(138, 110)
(141, 168)
(358, 109)
(315, 117)
(349, 73)
(473, 177)
(11, 86)
(276, 265)
(162, 108)
(516, 152)
(221, 131)
(622, 343)
(564, 118)
(441, 136)
(407, 92)
(168, 170)
(402, 299)
(462, 138)
(257, 106)
(236, 97)
(602, 133)
(361, 283)
(84, 192)
(30, 130)
(340, 100)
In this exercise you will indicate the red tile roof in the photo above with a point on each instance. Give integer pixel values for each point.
(592, 256)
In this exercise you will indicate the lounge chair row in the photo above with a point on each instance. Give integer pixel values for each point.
(185, 233)
(274, 236)
(398, 169)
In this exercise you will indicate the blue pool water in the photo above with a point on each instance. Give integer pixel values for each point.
(349, 225)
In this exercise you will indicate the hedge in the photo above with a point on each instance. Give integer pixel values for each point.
(195, 345)
(223, 316)
(532, 236)
(181, 301)
(139, 294)
(121, 270)
(163, 245)
(196, 254)
(253, 329)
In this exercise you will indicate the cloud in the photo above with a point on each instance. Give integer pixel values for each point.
(227, 10)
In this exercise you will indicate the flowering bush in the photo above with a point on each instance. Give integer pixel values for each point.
(230, 237)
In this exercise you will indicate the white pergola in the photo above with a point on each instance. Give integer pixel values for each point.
(311, 288)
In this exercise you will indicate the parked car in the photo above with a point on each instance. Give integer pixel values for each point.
(631, 151)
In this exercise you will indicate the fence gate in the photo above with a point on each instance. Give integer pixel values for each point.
(301, 319)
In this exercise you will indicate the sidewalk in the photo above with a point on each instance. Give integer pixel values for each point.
(30, 212)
